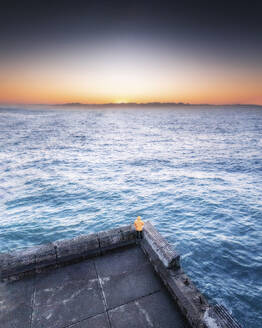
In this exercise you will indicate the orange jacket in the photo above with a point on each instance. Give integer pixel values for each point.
(139, 224)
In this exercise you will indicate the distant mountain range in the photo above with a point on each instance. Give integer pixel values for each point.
(132, 104)
(148, 104)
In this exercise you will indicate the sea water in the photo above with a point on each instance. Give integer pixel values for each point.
(195, 172)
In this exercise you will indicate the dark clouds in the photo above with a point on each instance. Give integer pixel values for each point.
(227, 25)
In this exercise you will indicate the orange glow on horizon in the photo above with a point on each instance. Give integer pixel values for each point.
(131, 76)
(42, 94)
(35, 94)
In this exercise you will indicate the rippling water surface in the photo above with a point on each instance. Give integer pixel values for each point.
(195, 172)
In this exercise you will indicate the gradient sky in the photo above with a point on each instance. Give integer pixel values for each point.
(119, 51)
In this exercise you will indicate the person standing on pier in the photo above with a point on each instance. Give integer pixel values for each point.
(139, 224)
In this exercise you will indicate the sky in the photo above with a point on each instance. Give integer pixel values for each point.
(131, 51)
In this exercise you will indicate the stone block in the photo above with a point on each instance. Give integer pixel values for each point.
(110, 239)
(128, 234)
(149, 251)
(190, 301)
(17, 262)
(4, 265)
(45, 256)
(218, 316)
(169, 257)
(84, 246)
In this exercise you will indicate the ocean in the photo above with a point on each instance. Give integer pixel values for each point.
(194, 172)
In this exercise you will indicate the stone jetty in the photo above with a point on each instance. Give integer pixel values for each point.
(103, 280)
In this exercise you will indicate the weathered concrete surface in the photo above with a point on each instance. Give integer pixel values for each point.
(45, 256)
(98, 321)
(162, 249)
(113, 238)
(16, 304)
(154, 310)
(190, 301)
(217, 316)
(115, 290)
(126, 277)
(18, 264)
(114, 280)
(83, 246)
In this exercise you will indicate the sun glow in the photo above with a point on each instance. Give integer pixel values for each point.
(121, 101)
(126, 74)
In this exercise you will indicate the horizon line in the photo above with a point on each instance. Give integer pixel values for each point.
(154, 103)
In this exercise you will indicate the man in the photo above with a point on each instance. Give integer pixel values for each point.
(139, 224)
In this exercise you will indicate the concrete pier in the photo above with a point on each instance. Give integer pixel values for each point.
(103, 280)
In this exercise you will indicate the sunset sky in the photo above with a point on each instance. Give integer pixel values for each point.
(119, 51)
